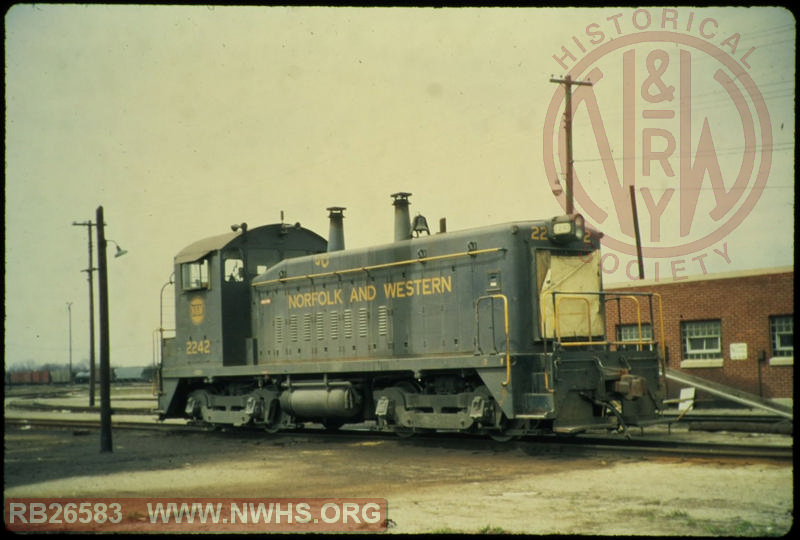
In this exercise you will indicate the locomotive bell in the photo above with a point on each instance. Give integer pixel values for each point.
(420, 225)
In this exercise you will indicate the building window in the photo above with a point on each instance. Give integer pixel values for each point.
(781, 329)
(701, 340)
(630, 332)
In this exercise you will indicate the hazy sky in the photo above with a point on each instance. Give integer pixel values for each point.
(181, 121)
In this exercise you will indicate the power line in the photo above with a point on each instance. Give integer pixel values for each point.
(783, 147)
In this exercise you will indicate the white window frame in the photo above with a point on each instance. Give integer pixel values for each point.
(630, 332)
(781, 325)
(628, 335)
(705, 356)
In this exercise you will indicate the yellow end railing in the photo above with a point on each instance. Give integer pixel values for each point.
(582, 297)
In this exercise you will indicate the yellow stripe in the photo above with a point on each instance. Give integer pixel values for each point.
(380, 266)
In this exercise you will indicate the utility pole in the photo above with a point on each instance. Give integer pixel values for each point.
(69, 329)
(90, 272)
(105, 364)
(568, 82)
(636, 230)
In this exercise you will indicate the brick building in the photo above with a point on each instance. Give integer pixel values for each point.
(734, 328)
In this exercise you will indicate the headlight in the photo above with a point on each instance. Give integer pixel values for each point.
(562, 228)
(566, 228)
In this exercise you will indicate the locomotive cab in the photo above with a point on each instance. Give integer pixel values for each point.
(213, 295)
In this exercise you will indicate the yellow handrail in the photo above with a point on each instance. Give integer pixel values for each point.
(613, 296)
(661, 326)
(639, 341)
(505, 325)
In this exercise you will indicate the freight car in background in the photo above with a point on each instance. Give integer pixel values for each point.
(40, 376)
(498, 330)
(122, 374)
(61, 376)
(133, 374)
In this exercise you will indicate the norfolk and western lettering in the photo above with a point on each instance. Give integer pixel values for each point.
(437, 285)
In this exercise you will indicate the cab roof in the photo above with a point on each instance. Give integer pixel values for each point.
(264, 235)
(203, 247)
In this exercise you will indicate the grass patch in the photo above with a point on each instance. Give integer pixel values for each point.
(732, 527)
(740, 527)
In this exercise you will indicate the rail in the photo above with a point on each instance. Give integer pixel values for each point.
(533, 445)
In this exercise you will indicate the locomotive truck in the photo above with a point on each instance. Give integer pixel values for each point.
(497, 330)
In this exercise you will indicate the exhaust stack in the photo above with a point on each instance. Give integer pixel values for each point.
(402, 217)
(336, 231)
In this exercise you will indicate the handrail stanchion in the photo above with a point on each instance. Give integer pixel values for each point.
(505, 324)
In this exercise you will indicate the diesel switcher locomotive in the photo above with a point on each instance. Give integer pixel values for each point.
(497, 330)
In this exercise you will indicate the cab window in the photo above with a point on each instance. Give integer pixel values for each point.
(194, 275)
(260, 260)
(234, 270)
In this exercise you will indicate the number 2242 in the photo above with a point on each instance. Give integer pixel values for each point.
(198, 347)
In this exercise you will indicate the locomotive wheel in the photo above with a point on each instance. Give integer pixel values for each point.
(404, 432)
(332, 425)
(199, 399)
(500, 436)
(498, 418)
(276, 418)
(408, 387)
(507, 425)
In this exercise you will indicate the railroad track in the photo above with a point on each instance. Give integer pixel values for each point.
(663, 445)
(71, 423)
(535, 446)
(38, 406)
(746, 421)
(742, 423)
(749, 418)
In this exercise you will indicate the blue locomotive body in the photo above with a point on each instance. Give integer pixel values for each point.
(496, 330)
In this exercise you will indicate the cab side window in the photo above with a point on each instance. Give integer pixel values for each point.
(234, 270)
(194, 275)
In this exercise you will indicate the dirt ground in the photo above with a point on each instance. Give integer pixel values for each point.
(447, 487)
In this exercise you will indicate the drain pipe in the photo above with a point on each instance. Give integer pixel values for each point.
(336, 231)
(402, 217)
